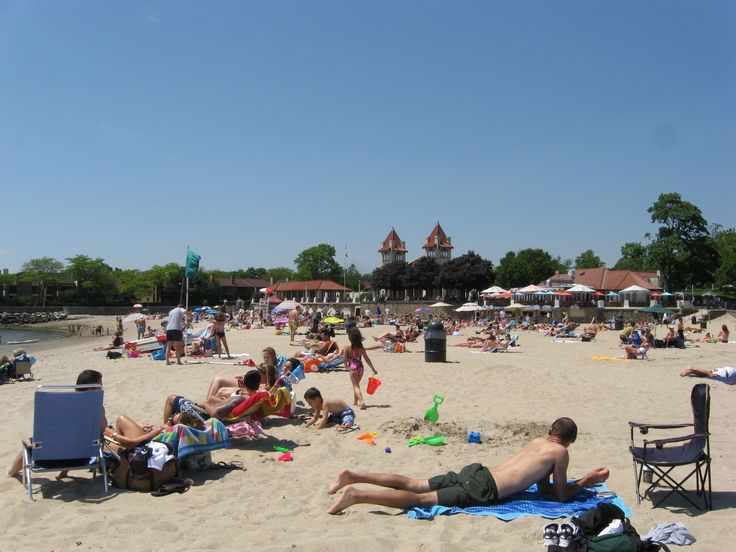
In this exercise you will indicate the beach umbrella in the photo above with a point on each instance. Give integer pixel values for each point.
(656, 294)
(266, 290)
(668, 294)
(634, 289)
(469, 307)
(494, 289)
(198, 309)
(611, 294)
(421, 309)
(289, 304)
(333, 320)
(439, 305)
(599, 294)
(515, 306)
(133, 317)
(579, 288)
(530, 289)
(275, 300)
(212, 311)
(563, 293)
(137, 306)
(281, 320)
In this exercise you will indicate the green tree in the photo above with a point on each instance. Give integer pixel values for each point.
(389, 276)
(253, 273)
(133, 284)
(465, 273)
(94, 278)
(725, 241)
(167, 280)
(353, 278)
(636, 257)
(42, 271)
(318, 263)
(528, 266)
(421, 275)
(588, 259)
(683, 248)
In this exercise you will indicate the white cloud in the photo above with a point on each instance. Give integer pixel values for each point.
(150, 14)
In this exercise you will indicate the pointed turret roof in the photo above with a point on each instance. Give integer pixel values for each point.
(392, 241)
(432, 242)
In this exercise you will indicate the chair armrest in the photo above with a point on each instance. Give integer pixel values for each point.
(644, 427)
(659, 442)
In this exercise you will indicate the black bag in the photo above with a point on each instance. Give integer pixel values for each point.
(131, 471)
(659, 344)
(114, 354)
(594, 521)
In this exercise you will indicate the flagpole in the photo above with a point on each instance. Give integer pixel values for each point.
(186, 305)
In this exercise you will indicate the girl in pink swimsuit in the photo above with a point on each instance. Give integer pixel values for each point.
(354, 355)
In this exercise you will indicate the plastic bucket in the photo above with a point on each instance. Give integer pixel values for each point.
(312, 365)
(373, 385)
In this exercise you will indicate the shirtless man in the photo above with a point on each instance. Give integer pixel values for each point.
(294, 321)
(476, 485)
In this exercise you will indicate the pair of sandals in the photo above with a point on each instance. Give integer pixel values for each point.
(560, 535)
(175, 485)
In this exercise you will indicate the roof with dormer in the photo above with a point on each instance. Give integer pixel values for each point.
(437, 232)
(392, 242)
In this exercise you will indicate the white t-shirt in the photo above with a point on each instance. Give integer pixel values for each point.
(176, 319)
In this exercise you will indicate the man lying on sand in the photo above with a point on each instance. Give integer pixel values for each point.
(476, 485)
(726, 375)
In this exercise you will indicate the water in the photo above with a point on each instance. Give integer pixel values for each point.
(8, 335)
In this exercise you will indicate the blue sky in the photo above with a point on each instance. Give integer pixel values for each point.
(252, 130)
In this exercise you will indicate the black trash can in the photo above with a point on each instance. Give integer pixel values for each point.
(435, 342)
(618, 322)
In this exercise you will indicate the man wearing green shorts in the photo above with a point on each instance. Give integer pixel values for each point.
(476, 485)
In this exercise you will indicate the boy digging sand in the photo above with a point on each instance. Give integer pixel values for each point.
(332, 410)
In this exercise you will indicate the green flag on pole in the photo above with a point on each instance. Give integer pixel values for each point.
(192, 264)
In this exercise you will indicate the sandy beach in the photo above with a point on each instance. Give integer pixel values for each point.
(506, 397)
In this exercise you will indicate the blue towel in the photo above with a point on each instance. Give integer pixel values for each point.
(527, 503)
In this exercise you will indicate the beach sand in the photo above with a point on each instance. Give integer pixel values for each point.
(507, 397)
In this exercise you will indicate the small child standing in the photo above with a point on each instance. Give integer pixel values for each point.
(332, 410)
(354, 355)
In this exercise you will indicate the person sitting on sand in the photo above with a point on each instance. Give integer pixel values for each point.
(388, 337)
(724, 334)
(726, 374)
(214, 406)
(233, 383)
(332, 411)
(476, 485)
(588, 334)
(635, 351)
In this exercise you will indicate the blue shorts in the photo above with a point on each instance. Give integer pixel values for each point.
(181, 405)
(141, 331)
(344, 418)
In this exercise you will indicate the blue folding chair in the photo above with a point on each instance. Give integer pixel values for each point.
(66, 432)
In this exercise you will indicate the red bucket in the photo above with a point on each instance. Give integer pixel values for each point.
(373, 384)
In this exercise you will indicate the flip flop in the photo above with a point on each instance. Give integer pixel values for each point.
(176, 485)
(235, 465)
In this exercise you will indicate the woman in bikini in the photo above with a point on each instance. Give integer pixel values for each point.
(354, 355)
(219, 329)
(724, 334)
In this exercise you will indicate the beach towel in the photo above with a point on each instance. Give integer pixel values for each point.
(607, 358)
(527, 503)
(185, 440)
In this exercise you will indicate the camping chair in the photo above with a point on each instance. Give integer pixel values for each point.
(66, 432)
(23, 369)
(660, 457)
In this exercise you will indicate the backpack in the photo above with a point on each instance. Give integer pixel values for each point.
(114, 354)
(594, 521)
(130, 470)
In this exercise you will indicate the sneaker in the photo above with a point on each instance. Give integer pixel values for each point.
(551, 533)
(568, 534)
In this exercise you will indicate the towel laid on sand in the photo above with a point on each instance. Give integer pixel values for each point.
(527, 503)
(185, 440)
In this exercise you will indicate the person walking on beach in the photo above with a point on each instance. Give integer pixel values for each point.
(476, 485)
(175, 332)
(354, 355)
(140, 326)
(294, 321)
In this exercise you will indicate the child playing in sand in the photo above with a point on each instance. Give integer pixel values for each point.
(332, 410)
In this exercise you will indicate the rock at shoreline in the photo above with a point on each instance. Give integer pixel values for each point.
(19, 319)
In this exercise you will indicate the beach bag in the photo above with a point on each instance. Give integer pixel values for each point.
(594, 521)
(158, 354)
(114, 354)
(130, 471)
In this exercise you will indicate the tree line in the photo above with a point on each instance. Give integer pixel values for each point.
(686, 250)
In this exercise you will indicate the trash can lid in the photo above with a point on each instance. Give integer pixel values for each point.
(435, 325)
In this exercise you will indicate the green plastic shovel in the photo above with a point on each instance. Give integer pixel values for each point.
(431, 414)
(434, 441)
